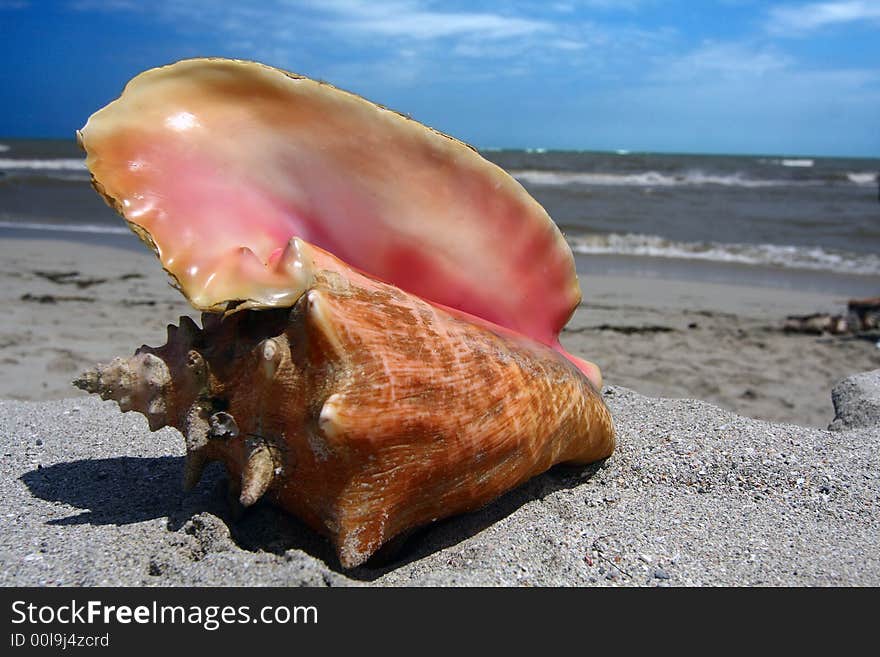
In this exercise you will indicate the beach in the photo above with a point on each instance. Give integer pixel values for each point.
(70, 305)
(697, 492)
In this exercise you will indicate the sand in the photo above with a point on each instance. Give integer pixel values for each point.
(69, 305)
(694, 494)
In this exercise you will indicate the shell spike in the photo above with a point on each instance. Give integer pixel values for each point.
(188, 324)
(258, 473)
(269, 357)
(185, 333)
(193, 467)
(196, 431)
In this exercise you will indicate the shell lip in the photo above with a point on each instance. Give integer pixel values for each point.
(547, 245)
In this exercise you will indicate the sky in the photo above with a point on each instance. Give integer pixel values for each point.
(708, 76)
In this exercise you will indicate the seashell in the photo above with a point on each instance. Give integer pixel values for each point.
(363, 409)
(216, 164)
(382, 306)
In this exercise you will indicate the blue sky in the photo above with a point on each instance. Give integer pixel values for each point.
(734, 76)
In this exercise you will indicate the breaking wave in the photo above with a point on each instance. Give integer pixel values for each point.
(795, 257)
(789, 162)
(683, 179)
(59, 164)
(862, 177)
(67, 228)
(794, 162)
(644, 179)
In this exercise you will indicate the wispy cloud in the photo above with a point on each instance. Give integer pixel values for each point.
(285, 32)
(106, 5)
(415, 20)
(425, 30)
(723, 61)
(400, 19)
(397, 39)
(798, 20)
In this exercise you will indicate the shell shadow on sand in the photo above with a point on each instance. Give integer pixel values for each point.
(101, 489)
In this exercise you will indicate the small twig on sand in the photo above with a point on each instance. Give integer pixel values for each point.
(600, 554)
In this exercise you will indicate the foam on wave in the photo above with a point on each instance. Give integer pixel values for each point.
(67, 228)
(689, 178)
(58, 164)
(796, 257)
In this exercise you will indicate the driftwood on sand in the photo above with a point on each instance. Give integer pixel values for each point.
(862, 315)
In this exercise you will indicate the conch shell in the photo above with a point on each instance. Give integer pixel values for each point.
(382, 306)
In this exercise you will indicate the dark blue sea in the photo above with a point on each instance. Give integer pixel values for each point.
(765, 219)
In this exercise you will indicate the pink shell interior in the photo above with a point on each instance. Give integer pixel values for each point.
(222, 162)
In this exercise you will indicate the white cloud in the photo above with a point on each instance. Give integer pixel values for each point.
(723, 60)
(370, 35)
(601, 5)
(796, 20)
(422, 25)
(362, 44)
(415, 20)
(106, 5)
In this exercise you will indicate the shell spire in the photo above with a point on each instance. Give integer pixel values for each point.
(139, 383)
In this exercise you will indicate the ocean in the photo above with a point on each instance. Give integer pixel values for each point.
(761, 219)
